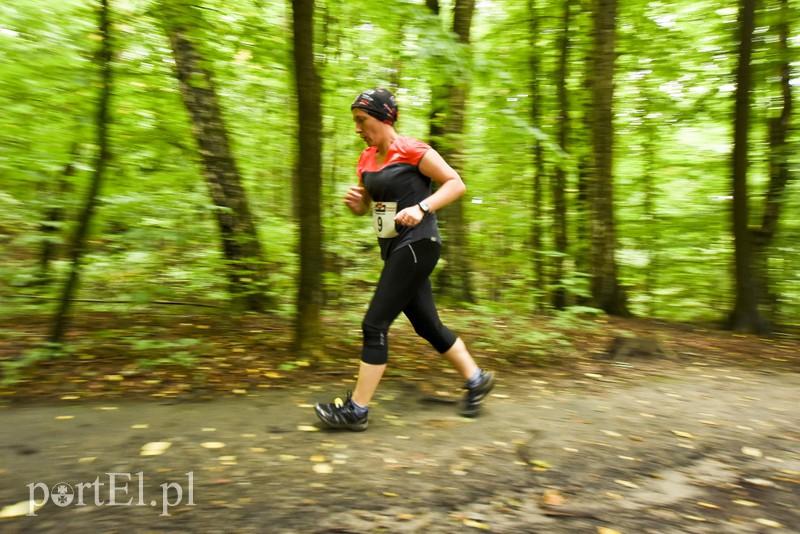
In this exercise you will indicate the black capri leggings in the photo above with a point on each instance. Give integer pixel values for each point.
(405, 286)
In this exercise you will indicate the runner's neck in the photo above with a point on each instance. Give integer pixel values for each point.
(383, 148)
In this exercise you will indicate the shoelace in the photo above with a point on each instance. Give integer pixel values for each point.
(338, 405)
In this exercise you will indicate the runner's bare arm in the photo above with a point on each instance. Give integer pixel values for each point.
(451, 187)
(357, 199)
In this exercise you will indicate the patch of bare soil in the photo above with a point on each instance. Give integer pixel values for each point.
(690, 444)
(644, 427)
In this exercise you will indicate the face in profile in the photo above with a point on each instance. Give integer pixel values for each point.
(367, 127)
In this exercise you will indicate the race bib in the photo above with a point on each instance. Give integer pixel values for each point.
(383, 219)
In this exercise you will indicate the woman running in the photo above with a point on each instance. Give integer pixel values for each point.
(395, 175)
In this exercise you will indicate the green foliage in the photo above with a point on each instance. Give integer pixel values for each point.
(155, 236)
(178, 355)
(12, 370)
(508, 337)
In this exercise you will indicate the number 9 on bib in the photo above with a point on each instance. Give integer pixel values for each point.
(383, 219)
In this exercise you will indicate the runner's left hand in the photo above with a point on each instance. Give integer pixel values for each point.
(409, 216)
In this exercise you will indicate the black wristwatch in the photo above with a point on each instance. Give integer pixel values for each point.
(424, 207)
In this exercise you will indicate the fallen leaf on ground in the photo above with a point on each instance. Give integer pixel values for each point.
(552, 498)
(476, 524)
(760, 482)
(682, 434)
(323, 469)
(155, 448)
(752, 451)
(212, 445)
(20, 509)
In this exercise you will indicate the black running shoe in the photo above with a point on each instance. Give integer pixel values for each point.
(475, 395)
(340, 414)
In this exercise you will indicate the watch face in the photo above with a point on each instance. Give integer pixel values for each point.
(424, 206)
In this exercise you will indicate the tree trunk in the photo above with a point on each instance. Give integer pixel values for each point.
(53, 217)
(103, 118)
(309, 179)
(582, 153)
(559, 295)
(447, 128)
(649, 215)
(779, 169)
(240, 243)
(745, 316)
(606, 291)
(580, 251)
(537, 224)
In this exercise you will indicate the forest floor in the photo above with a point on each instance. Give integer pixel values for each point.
(704, 438)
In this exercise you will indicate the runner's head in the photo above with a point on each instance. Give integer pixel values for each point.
(378, 103)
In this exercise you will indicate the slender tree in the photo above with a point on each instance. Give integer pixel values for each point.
(309, 178)
(439, 110)
(54, 215)
(581, 135)
(607, 293)
(240, 243)
(447, 128)
(779, 151)
(649, 215)
(102, 120)
(537, 223)
(559, 295)
(745, 316)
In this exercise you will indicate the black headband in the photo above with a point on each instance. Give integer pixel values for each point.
(378, 103)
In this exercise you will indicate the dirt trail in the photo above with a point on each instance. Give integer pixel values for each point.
(678, 447)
